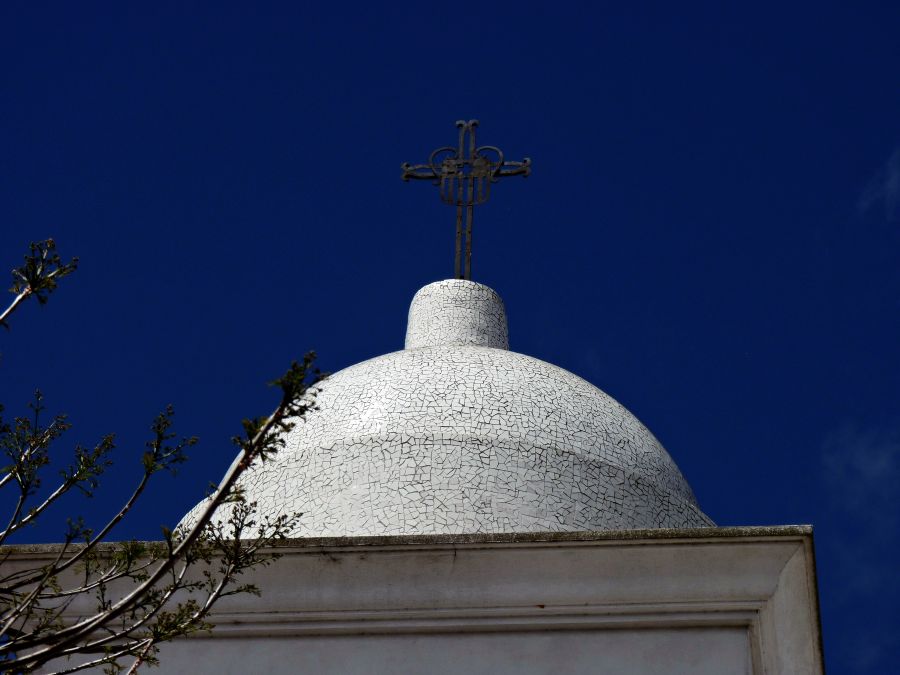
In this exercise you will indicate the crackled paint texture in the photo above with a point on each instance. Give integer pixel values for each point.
(455, 434)
(456, 312)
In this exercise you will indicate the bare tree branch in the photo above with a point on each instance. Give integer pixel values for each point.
(38, 277)
(145, 593)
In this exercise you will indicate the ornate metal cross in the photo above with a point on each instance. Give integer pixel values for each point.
(465, 180)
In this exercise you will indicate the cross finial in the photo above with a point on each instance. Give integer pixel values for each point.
(465, 180)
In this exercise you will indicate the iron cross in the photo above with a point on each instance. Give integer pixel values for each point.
(465, 180)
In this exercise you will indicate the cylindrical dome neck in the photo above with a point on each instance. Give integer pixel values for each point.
(457, 312)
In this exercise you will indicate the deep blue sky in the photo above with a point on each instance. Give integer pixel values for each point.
(711, 232)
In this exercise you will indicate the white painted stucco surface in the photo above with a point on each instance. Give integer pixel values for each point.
(688, 651)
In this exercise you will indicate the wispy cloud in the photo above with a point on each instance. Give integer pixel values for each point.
(883, 191)
(861, 471)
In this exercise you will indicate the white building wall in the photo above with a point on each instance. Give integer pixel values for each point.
(717, 601)
(711, 600)
(687, 651)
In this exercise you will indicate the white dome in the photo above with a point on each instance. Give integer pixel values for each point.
(455, 434)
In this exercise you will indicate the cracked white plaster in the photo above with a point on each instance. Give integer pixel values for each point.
(456, 434)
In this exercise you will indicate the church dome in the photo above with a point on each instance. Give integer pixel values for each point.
(457, 434)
